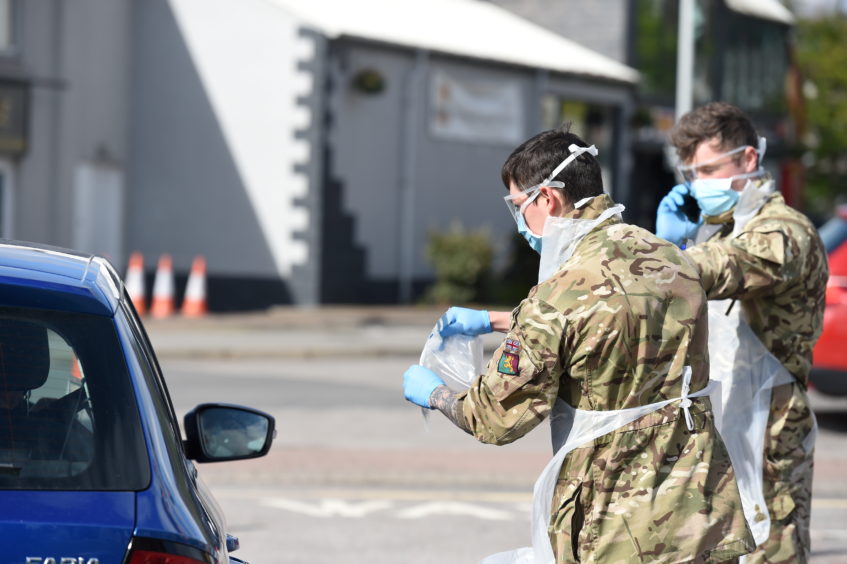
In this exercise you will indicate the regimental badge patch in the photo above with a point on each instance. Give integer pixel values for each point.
(508, 364)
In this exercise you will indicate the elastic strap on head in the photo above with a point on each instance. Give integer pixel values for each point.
(576, 151)
(763, 146)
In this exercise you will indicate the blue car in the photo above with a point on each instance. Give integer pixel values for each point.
(93, 467)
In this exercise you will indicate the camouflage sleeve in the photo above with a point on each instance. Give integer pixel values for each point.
(520, 385)
(748, 266)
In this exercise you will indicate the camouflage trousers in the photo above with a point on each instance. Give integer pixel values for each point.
(788, 479)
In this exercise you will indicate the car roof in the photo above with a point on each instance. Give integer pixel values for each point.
(35, 275)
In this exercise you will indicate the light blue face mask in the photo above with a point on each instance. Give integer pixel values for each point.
(531, 238)
(715, 195)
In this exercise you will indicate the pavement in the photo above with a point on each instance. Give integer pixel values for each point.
(300, 332)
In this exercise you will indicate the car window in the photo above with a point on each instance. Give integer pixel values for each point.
(68, 416)
(149, 369)
(833, 233)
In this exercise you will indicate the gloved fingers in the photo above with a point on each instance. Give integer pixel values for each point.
(675, 198)
(450, 330)
(419, 383)
(681, 189)
(447, 323)
(671, 202)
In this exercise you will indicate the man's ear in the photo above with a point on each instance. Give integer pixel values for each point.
(556, 204)
(751, 159)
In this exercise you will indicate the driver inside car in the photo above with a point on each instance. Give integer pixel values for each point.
(42, 430)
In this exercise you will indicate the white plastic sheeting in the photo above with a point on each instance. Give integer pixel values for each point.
(747, 372)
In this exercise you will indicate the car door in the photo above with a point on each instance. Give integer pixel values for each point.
(194, 515)
(72, 453)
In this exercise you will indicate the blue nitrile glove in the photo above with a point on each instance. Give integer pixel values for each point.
(464, 321)
(671, 222)
(419, 383)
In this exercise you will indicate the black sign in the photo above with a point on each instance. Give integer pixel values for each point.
(13, 112)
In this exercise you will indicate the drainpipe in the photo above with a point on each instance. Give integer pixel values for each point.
(411, 112)
(685, 58)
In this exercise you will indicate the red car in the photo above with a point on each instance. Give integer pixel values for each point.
(829, 369)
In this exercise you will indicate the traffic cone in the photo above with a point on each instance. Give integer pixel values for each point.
(135, 282)
(163, 289)
(194, 302)
(76, 371)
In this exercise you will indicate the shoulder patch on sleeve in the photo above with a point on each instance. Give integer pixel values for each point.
(508, 363)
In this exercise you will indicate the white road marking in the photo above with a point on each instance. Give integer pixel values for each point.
(326, 508)
(453, 508)
(329, 507)
(382, 493)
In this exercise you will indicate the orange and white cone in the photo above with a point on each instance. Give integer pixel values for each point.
(135, 282)
(76, 370)
(194, 303)
(163, 289)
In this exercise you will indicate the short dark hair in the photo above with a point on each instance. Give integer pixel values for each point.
(716, 120)
(537, 157)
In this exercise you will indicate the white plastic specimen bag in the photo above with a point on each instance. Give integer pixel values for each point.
(456, 359)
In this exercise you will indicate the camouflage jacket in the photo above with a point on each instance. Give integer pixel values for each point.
(613, 329)
(777, 268)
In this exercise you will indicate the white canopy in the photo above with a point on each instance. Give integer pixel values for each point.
(469, 28)
(765, 9)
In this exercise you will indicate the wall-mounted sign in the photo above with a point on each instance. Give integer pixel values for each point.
(476, 110)
(13, 112)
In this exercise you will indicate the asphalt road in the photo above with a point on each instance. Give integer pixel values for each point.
(357, 476)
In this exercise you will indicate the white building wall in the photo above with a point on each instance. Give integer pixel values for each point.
(246, 54)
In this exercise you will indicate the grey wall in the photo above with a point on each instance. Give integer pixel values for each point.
(453, 181)
(38, 173)
(76, 61)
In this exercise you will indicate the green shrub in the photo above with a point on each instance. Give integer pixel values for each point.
(518, 276)
(462, 263)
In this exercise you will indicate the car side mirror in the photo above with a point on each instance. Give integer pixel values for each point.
(217, 432)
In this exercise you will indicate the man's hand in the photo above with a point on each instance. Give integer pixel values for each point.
(671, 222)
(464, 321)
(419, 383)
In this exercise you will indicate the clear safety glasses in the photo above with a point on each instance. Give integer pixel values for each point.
(690, 173)
(517, 203)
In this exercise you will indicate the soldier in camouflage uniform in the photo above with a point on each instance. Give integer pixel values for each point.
(775, 266)
(613, 328)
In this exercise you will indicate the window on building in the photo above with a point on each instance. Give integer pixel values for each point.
(594, 123)
(755, 62)
(655, 49)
